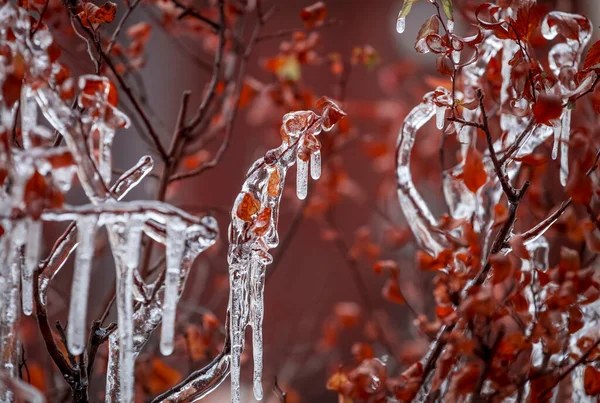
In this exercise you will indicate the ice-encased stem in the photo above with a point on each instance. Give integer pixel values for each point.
(86, 237)
(419, 217)
(32, 253)
(175, 248)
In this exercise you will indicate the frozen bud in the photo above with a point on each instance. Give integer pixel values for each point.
(294, 123)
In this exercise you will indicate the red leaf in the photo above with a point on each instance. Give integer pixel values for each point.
(347, 314)
(391, 291)
(579, 186)
(247, 207)
(474, 175)
(593, 56)
(314, 15)
(35, 193)
(91, 15)
(431, 26)
(444, 65)
(528, 19)
(501, 266)
(547, 108)
(591, 381)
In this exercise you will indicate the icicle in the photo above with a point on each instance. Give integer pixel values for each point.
(86, 237)
(28, 111)
(130, 178)
(564, 147)
(237, 304)
(456, 56)
(315, 165)
(557, 131)
(175, 248)
(126, 260)
(32, 253)
(401, 24)
(440, 116)
(257, 289)
(105, 153)
(301, 178)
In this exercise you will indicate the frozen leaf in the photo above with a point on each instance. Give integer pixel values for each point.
(431, 26)
(91, 15)
(248, 207)
(474, 175)
(314, 15)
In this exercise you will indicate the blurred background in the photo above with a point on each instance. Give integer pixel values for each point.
(321, 293)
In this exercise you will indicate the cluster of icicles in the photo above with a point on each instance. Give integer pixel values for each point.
(564, 60)
(253, 229)
(252, 233)
(88, 134)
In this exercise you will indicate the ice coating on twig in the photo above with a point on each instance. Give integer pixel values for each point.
(86, 241)
(253, 229)
(417, 213)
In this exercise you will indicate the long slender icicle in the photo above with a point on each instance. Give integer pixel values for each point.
(126, 260)
(565, 136)
(257, 289)
(315, 165)
(86, 236)
(302, 179)
(175, 248)
(32, 253)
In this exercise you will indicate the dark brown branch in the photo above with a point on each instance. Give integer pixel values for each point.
(188, 11)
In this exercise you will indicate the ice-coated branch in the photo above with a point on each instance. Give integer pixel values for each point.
(252, 233)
